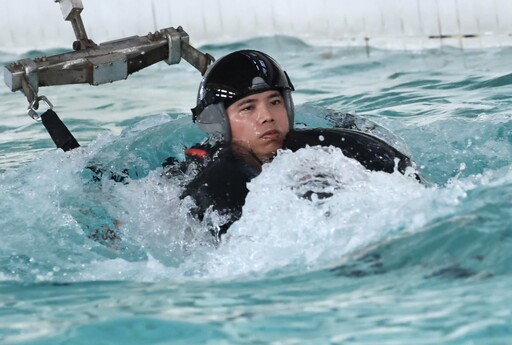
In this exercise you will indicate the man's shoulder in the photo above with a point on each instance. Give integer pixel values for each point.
(299, 138)
(224, 167)
(221, 184)
(371, 151)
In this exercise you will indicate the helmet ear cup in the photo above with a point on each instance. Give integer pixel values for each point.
(214, 121)
(290, 108)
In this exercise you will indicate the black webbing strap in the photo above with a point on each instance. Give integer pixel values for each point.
(58, 131)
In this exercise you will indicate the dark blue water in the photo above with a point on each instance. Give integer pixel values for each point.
(384, 261)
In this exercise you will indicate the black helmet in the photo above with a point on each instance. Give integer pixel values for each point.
(235, 76)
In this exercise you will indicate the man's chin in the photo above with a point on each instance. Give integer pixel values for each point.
(270, 149)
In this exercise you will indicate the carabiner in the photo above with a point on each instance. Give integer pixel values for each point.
(31, 110)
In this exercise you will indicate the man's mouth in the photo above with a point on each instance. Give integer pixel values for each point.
(271, 134)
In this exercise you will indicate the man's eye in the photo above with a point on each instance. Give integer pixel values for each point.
(276, 101)
(246, 108)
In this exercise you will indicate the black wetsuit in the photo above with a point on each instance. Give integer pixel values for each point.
(222, 183)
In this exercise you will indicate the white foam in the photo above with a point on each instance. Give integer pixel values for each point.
(280, 228)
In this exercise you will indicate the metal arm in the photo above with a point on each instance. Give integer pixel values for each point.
(105, 63)
(71, 10)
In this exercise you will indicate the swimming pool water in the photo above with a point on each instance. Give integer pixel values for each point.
(384, 261)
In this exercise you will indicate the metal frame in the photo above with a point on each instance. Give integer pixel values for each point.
(99, 64)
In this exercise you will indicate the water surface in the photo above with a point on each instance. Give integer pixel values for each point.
(384, 261)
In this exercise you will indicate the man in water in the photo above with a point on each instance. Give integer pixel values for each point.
(245, 105)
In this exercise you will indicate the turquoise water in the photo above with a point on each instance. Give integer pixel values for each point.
(384, 261)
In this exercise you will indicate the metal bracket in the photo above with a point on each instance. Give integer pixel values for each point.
(179, 47)
(174, 39)
(30, 81)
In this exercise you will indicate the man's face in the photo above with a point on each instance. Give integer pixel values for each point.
(259, 123)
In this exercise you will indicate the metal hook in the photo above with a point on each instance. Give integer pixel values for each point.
(31, 110)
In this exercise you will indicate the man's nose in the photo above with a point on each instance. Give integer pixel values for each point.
(265, 114)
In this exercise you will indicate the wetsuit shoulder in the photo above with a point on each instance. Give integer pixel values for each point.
(197, 157)
(222, 185)
(372, 152)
